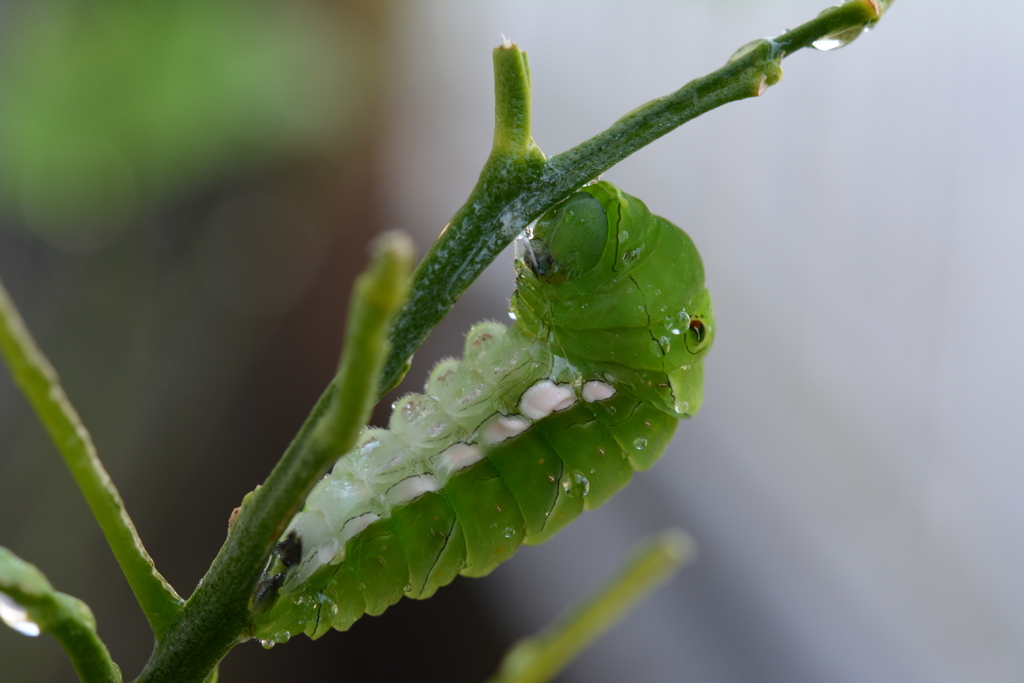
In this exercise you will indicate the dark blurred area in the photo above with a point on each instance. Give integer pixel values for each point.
(186, 194)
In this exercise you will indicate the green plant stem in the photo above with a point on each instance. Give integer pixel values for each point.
(38, 380)
(69, 619)
(474, 236)
(216, 616)
(517, 184)
(541, 657)
(850, 15)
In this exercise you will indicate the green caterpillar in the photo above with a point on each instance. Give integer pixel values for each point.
(535, 424)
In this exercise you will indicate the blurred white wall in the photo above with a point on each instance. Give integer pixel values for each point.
(855, 479)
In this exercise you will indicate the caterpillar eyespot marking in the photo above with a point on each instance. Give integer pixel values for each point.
(536, 423)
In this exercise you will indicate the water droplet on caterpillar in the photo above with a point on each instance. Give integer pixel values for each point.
(508, 532)
(372, 443)
(682, 406)
(639, 443)
(575, 484)
(267, 644)
(413, 411)
(323, 599)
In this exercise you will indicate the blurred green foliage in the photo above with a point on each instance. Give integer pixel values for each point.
(189, 160)
(108, 107)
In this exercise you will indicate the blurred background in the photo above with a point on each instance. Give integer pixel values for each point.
(186, 193)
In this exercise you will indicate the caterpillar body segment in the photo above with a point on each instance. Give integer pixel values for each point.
(536, 423)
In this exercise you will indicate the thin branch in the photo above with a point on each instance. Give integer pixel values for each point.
(38, 381)
(29, 604)
(472, 238)
(541, 657)
(216, 616)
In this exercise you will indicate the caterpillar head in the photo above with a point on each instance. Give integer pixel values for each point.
(568, 241)
(608, 281)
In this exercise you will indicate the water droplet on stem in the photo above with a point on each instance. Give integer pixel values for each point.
(16, 616)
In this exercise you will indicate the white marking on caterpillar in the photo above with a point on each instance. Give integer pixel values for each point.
(336, 498)
(356, 524)
(502, 428)
(327, 551)
(456, 457)
(312, 528)
(369, 446)
(411, 488)
(595, 390)
(545, 397)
